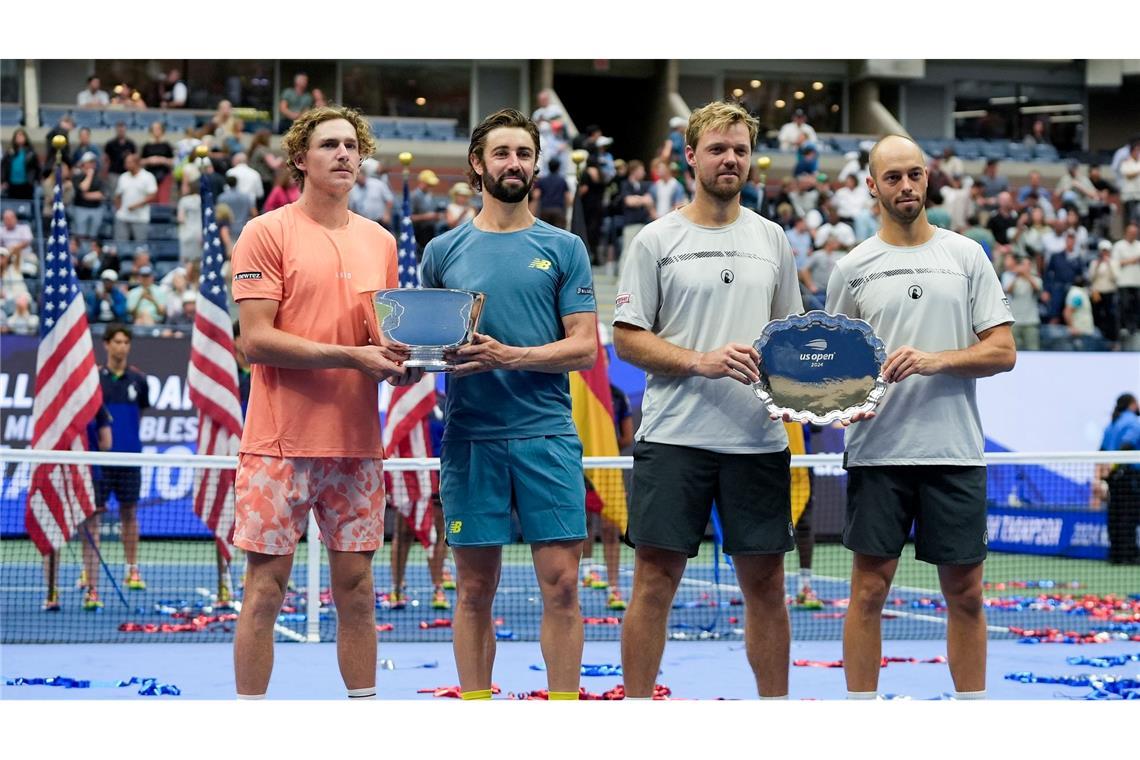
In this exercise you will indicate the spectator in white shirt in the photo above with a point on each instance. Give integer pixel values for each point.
(16, 237)
(248, 180)
(134, 192)
(852, 199)
(1126, 254)
(796, 132)
(834, 226)
(92, 96)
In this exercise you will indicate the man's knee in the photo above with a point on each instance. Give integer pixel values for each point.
(263, 597)
(764, 582)
(561, 593)
(963, 592)
(869, 594)
(476, 592)
(657, 575)
(354, 594)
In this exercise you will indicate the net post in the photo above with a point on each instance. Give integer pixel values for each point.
(313, 583)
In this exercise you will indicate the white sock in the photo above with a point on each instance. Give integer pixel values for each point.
(862, 694)
(368, 692)
(784, 698)
(970, 694)
(251, 696)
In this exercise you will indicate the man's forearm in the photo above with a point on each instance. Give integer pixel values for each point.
(651, 353)
(567, 355)
(983, 359)
(277, 348)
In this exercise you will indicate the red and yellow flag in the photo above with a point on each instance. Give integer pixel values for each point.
(594, 417)
(801, 486)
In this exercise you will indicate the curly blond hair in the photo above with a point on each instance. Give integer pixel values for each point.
(720, 116)
(296, 140)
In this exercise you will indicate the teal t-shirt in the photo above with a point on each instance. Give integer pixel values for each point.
(532, 278)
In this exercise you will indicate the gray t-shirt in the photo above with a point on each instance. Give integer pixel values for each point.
(700, 288)
(934, 297)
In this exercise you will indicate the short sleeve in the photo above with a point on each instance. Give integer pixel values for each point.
(576, 291)
(786, 298)
(989, 306)
(840, 299)
(639, 292)
(429, 269)
(257, 267)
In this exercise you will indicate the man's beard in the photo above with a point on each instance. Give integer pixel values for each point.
(722, 192)
(905, 217)
(505, 194)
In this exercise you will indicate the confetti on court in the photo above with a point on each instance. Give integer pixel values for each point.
(148, 687)
(938, 660)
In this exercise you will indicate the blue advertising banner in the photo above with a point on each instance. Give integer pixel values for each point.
(169, 426)
(1078, 533)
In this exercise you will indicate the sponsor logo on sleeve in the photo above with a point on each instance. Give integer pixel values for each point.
(247, 276)
(623, 298)
(585, 291)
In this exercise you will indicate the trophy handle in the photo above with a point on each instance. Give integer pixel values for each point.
(477, 302)
(373, 327)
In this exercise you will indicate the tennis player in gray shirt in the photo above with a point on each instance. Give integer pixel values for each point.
(933, 297)
(697, 287)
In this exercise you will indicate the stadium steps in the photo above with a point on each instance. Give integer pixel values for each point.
(605, 290)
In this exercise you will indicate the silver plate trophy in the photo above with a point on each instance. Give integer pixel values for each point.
(429, 320)
(819, 367)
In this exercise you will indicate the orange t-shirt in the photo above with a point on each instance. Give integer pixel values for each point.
(316, 275)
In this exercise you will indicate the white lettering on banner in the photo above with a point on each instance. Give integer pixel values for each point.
(18, 483)
(173, 482)
(168, 429)
(993, 526)
(153, 388)
(18, 428)
(1090, 534)
(1032, 531)
(171, 395)
(19, 398)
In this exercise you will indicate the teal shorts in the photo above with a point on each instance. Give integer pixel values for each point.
(540, 478)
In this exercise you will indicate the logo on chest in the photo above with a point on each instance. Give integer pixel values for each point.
(727, 276)
(915, 292)
(344, 275)
(541, 264)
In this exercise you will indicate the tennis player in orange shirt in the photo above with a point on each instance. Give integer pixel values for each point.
(312, 433)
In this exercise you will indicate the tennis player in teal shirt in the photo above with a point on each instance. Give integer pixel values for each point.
(509, 440)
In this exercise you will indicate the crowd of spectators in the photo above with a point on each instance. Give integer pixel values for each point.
(135, 212)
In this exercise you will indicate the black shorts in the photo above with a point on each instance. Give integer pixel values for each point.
(674, 488)
(946, 505)
(124, 482)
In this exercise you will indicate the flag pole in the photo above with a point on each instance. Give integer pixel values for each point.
(225, 592)
(577, 220)
(59, 142)
(406, 161)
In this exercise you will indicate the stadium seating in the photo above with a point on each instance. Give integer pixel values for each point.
(179, 121)
(11, 115)
(22, 208)
(90, 119)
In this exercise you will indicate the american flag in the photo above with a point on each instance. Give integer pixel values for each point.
(407, 430)
(67, 395)
(213, 384)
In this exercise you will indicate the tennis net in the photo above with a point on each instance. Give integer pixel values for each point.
(1055, 521)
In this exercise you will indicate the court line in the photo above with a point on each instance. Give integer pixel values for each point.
(888, 612)
(288, 633)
